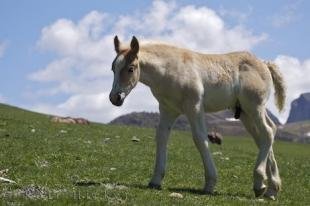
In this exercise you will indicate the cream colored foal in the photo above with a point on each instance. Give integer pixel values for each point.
(191, 83)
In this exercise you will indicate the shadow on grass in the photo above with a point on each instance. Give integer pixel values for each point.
(87, 183)
(138, 186)
(187, 190)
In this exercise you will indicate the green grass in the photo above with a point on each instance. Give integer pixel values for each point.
(61, 164)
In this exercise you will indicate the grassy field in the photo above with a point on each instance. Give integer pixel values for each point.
(99, 164)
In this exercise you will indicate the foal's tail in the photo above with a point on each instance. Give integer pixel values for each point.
(279, 85)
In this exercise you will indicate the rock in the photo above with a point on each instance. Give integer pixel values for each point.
(109, 186)
(217, 153)
(112, 186)
(176, 195)
(300, 109)
(5, 180)
(135, 139)
(81, 121)
(4, 172)
(70, 120)
(67, 120)
(121, 187)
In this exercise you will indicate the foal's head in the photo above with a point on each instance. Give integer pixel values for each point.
(126, 71)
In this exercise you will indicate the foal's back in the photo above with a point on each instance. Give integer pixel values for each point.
(217, 78)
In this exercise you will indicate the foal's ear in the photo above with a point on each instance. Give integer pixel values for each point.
(117, 44)
(134, 45)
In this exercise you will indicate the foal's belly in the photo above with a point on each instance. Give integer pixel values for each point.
(219, 99)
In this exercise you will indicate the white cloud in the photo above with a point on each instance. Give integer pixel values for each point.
(56, 71)
(198, 28)
(85, 52)
(84, 55)
(66, 38)
(2, 48)
(97, 107)
(296, 74)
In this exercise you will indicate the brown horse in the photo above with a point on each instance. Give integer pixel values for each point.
(191, 83)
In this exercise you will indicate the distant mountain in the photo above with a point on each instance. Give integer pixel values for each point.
(300, 109)
(222, 122)
(141, 119)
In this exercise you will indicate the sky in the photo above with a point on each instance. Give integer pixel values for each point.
(55, 56)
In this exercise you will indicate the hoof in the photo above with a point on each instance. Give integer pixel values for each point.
(154, 186)
(269, 197)
(271, 194)
(208, 190)
(259, 192)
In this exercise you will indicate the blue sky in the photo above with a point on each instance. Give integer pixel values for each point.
(47, 72)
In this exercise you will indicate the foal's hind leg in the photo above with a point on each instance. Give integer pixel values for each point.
(256, 123)
(274, 180)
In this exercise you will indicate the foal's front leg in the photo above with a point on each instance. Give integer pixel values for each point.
(196, 119)
(162, 134)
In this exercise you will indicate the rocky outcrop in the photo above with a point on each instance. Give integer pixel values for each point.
(69, 120)
(300, 109)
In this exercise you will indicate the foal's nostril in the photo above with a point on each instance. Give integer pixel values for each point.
(119, 97)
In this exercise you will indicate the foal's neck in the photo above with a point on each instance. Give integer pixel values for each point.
(149, 71)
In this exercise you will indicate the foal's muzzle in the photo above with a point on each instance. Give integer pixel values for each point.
(117, 99)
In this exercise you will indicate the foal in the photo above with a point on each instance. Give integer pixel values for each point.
(191, 83)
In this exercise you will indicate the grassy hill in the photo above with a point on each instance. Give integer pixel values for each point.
(97, 164)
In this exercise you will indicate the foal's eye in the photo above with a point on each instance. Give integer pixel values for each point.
(131, 68)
